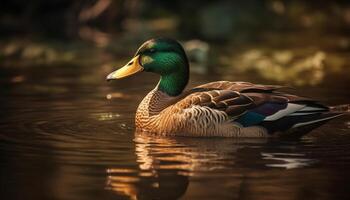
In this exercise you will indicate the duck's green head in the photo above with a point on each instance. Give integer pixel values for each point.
(165, 57)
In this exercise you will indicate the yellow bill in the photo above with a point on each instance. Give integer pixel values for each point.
(129, 69)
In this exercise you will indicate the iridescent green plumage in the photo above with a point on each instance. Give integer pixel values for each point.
(168, 59)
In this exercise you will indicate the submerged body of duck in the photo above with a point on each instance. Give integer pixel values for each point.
(222, 108)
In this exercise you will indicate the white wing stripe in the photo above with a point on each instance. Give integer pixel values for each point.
(298, 114)
(291, 108)
(308, 108)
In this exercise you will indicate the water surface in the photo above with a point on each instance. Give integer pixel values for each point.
(65, 133)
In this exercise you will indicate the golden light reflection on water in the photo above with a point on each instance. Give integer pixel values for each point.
(168, 167)
(288, 161)
(106, 116)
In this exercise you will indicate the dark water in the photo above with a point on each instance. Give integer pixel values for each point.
(62, 138)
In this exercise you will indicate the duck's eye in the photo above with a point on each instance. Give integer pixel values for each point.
(146, 60)
(152, 50)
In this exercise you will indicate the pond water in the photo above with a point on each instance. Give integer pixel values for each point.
(65, 133)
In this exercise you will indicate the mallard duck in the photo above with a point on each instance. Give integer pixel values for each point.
(219, 109)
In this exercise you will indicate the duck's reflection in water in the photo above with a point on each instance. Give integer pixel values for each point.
(170, 168)
(165, 165)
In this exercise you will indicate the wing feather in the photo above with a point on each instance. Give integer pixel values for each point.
(247, 103)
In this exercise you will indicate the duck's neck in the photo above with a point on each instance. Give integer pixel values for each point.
(173, 84)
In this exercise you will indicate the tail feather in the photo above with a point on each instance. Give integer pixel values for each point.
(297, 126)
(320, 119)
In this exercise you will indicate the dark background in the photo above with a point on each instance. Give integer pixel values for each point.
(186, 19)
(291, 42)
